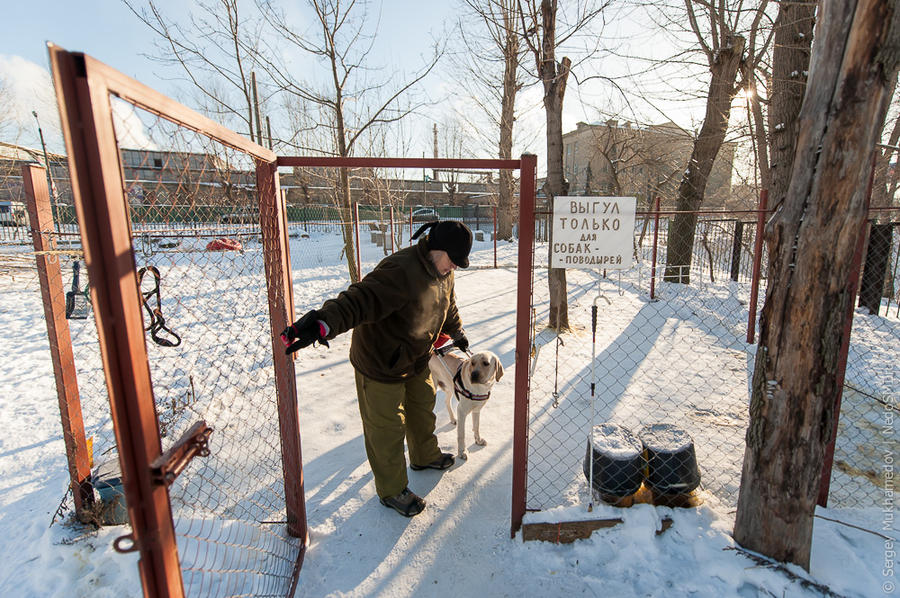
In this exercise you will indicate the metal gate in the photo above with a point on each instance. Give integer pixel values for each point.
(192, 364)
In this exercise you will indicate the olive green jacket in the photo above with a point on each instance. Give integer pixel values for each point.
(396, 313)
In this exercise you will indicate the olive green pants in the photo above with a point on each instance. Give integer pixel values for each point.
(391, 412)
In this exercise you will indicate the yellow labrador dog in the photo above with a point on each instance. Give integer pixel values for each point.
(470, 381)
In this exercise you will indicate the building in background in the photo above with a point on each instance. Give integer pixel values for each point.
(621, 159)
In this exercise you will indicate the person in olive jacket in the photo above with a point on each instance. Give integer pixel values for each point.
(397, 312)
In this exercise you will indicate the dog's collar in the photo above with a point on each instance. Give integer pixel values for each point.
(460, 388)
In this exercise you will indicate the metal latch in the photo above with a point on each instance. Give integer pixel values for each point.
(168, 466)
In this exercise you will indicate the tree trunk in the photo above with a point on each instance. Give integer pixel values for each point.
(885, 176)
(709, 141)
(808, 301)
(505, 213)
(347, 224)
(759, 134)
(790, 66)
(343, 152)
(554, 77)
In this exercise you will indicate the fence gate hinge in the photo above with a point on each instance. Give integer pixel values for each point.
(170, 464)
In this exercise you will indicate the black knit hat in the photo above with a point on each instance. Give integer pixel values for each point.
(452, 236)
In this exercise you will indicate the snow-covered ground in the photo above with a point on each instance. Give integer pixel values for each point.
(460, 545)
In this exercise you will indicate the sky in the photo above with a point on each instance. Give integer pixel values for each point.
(111, 33)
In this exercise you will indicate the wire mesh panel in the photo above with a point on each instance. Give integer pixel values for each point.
(200, 264)
(675, 366)
(670, 359)
(871, 400)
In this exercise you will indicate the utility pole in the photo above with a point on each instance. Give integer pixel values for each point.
(47, 167)
(435, 172)
(255, 91)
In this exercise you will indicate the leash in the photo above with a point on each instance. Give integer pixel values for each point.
(157, 321)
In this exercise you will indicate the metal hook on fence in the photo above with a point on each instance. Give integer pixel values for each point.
(556, 371)
(146, 245)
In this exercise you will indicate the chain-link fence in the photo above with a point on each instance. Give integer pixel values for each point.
(661, 383)
(201, 268)
(871, 394)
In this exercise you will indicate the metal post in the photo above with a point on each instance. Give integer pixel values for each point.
(736, 250)
(757, 264)
(277, 261)
(523, 338)
(392, 229)
(653, 260)
(84, 102)
(494, 236)
(49, 173)
(37, 198)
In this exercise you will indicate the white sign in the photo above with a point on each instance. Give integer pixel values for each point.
(590, 233)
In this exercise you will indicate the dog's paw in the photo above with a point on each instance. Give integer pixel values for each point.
(463, 455)
(452, 421)
(481, 442)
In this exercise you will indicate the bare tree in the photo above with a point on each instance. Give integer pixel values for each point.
(490, 60)
(886, 178)
(216, 49)
(732, 47)
(539, 22)
(340, 38)
(814, 237)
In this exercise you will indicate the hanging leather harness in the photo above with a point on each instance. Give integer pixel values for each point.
(157, 322)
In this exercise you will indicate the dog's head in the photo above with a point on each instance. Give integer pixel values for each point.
(482, 368)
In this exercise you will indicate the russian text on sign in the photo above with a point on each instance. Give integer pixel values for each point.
(592, 232)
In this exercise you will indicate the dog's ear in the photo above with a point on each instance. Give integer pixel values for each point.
(499, 368)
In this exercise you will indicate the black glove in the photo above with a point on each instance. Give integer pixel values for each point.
(303, 332)
(461, 343)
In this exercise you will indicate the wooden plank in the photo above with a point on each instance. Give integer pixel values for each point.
(37, 198)
(565, 532)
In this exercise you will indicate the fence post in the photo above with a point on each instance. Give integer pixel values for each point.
(277, 260)
(392, 229)
(527, 170)
(494, 236)
(40, 213)
(874, 273)
(757, 264)
(736, 249)
(653, 259)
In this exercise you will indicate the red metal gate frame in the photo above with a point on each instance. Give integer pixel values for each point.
(83, 87)
(527, 167)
